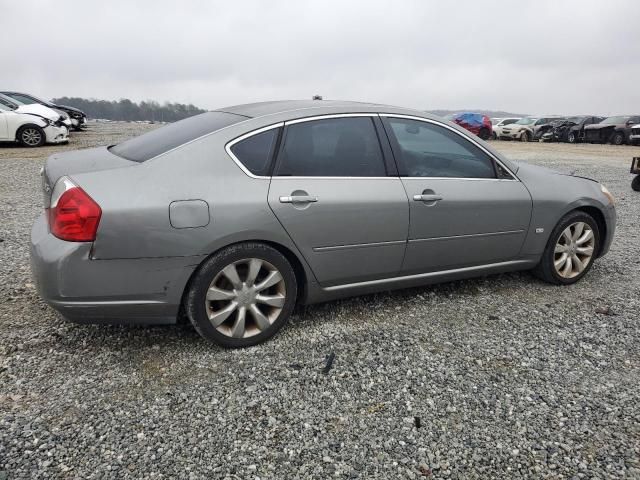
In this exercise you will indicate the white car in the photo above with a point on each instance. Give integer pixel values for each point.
(29, 129)
(61, 118)
(498, 123)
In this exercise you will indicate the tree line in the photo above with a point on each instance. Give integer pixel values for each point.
(125, 109)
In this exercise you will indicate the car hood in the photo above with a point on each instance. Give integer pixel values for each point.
(527, 171)
(600, 126)
(70, 109)
(40, 110)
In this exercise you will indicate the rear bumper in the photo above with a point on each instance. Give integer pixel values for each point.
(129, 291)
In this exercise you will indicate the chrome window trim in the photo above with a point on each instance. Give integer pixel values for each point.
(469, 139)
(231, 143)
(328, 117)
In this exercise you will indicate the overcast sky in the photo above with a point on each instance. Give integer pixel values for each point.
(543, 56)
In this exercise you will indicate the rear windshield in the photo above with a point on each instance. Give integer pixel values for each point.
(161, 140)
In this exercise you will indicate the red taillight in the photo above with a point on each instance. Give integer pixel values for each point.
(74, 216)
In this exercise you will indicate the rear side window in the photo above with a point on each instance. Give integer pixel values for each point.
(428, 150)
(336, 147)
(161, 140)
(256, 151)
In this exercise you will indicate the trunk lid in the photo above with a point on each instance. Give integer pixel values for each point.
(79, 161)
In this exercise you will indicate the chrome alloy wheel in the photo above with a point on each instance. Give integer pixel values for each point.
(574, 250)
(31, 136)
(245, 298)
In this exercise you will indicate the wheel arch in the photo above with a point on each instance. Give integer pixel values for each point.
(598, 216)
(27, 125)
(302, 276)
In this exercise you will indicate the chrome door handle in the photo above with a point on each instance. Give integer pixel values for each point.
(299, 199)
(427, 198)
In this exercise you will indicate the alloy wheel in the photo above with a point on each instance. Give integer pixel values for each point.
(245, 298)
(574, 250)
(31, 136)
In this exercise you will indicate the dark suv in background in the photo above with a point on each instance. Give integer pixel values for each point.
(78, 117)
(615, 130)
(570, 129)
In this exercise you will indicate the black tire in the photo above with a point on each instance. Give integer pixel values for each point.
(635, 183)
(526, 137)
(196, 304)
(31, 136)
(494, 136)
(617, 138)
(545, 270)
(484, 133)
(572, 137)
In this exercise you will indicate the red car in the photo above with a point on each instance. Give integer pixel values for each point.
(474, 122)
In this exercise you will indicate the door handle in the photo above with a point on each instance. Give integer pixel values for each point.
(299, 199)
(427, 198)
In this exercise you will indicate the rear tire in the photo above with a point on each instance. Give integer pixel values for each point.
(484, 134)
(635, 183)
(31, 136)
(226, 303)
(546, 270)
(572, 137)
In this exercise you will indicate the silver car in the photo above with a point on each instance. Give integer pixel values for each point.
(234, 216)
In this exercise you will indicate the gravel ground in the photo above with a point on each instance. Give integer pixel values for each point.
(499, 377)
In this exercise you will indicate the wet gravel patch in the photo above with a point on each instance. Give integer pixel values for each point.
(498, 377)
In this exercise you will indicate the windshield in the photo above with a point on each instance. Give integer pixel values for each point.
(614, 120)
(526, 121)
(495, 121)
(8, 103)
(161, 140)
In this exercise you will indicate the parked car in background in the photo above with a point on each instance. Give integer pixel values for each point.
(77, 118)
(28, 129)
(498, 123)
(291, 202)
(36, 109)
(526, 129)
(571, 130)
(476, 123)
(545, 125)
(615, 130)
(634, 138)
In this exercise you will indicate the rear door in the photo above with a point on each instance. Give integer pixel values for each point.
(340, 199)
(465, 209)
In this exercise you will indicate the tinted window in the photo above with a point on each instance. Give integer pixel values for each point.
(337, 147)
(509, 121)
(428, 150)
(22, 99)
(161, 140)
(256, 151)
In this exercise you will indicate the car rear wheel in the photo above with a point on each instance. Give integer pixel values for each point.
(242, 296)
(484, 134)
(635, 183)
(571, 249)
(572, 138)
(31, 136)
(618, 138)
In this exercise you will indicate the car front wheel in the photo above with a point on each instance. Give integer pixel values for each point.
(571, 138)
(526, 137)
(242, 295)
(618, 138)
(31, 136)
(571, 249)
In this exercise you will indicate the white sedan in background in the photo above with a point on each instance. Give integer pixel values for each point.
(28, 129)
(498, 123)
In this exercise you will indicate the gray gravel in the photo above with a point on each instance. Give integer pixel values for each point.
(500, 377)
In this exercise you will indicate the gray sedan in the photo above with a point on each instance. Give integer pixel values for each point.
(234, 216)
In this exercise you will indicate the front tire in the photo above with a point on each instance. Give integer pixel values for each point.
(617, 138)
(572, 137)
(571, 249)
(31, 136)
(635, 183)
(242, 295)
(484, 134)
(526, 137)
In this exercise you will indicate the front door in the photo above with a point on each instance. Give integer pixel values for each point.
(465, 208)
(332, 192)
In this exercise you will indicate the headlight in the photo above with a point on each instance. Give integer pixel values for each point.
(607, 194)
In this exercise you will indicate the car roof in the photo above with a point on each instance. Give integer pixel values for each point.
(261, 109)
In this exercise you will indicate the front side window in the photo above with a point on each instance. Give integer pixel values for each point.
(428, 150)
(22, 99)
(336, 147)
(256, 151)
